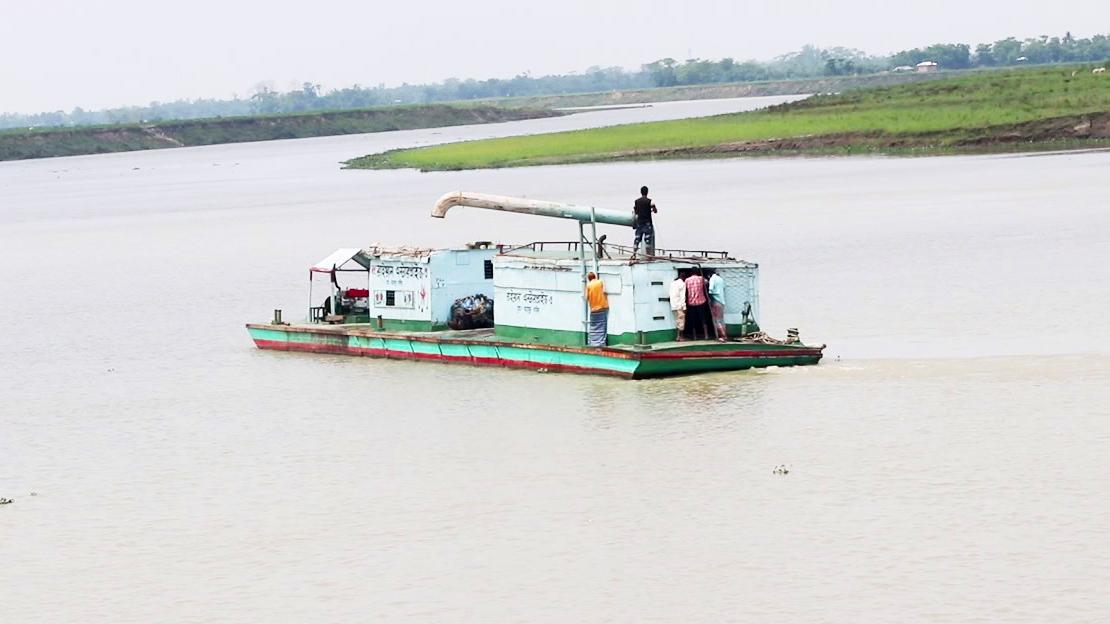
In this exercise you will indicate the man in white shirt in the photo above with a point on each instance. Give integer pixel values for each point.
(678, 304)
(717, 305)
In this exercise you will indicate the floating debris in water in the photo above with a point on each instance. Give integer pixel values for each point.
(6, 501)
(781, 469)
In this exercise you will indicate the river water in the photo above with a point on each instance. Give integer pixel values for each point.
(947, 462)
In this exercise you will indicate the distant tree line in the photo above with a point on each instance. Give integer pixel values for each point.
(809, 62)
(1010, 51)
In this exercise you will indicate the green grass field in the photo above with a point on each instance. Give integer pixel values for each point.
(941, 116)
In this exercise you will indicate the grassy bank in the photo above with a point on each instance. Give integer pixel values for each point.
(47, 142)
(1043, 108)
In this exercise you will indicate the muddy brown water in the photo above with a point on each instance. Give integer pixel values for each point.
(947, 462)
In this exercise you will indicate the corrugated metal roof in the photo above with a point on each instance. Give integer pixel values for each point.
(400, 251)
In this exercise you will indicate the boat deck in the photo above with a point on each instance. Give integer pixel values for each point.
(487, 336)
(483, 335)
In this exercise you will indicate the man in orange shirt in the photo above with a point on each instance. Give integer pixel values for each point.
(599, 310)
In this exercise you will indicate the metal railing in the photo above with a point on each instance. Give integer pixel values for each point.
(607, 249)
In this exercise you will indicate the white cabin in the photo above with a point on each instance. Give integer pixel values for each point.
(402, 288)
(538, 295)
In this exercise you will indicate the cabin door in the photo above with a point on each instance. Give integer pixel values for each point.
(653, 301)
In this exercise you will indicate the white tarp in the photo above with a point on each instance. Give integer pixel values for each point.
(335, 259)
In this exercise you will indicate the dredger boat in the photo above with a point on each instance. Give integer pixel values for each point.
(524, 306)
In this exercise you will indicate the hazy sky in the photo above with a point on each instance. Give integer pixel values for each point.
(57, 54)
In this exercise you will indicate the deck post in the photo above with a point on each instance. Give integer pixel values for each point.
(334, 292)
(585, 280)
(593, 243)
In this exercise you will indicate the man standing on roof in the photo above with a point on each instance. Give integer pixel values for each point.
(599, 310)
(645, 229)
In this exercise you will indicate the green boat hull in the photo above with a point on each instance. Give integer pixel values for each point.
(481, 348)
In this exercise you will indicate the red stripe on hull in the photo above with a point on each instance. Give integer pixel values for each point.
(699, 355)
(311, 347)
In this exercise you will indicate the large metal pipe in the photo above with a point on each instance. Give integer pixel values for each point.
(584, 214)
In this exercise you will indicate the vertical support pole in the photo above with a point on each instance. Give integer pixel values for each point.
(593, 254)
(585, 300)
(310, 280)
(593, 243)
(334, 291)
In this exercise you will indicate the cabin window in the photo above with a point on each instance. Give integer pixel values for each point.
(487, 267)
(390, 297)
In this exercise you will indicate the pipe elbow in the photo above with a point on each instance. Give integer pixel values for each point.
(446, 202)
